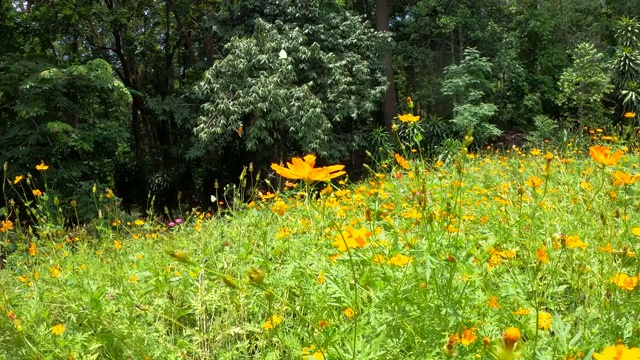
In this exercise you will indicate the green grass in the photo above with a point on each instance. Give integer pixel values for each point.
(426, 259)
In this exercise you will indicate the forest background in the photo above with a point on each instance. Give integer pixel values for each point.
(166, 100)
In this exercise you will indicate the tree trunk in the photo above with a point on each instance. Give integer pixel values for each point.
(389, 102)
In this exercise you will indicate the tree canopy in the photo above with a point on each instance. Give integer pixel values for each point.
(156, 97)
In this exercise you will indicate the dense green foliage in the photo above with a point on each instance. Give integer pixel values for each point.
(144, 215)
(214, 85)
(308, 84)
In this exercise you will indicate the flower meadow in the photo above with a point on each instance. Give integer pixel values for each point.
(517, 254)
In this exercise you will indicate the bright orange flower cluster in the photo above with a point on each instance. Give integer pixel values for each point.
(625, 281)
(466, 338)
(624, 178)
(573, 242)
(6, 225)
(304, 169)
(510, 337)
(602, 154)
(402, 162)
(542, 254)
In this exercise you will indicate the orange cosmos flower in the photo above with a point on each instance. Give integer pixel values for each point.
(624, 178)
(304, 169)
(521, 311)
(625, 281)
(607, 249)
(573, 241)
(602, 155)
(408, 118)
(542, 255)
(402, 162)
(6, 225)
(468, 336)
(510, 337)
(618, 352)
(36, 192)
(493, 302)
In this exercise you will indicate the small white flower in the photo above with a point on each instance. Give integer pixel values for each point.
(213, 199)
(283, 54)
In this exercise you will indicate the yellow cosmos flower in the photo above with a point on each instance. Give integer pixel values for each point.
(534, 181)
(349, 312)
(58, 329)
(272, 322)
(624, 178)
(451, 229)
(544, 320)
(42, 166)
(55, 272)
(18, 179)
(36, 192)
(304, 169)
(408, 118)
(400, 260)
(280, 207)
(629, 114)
(311, 353)
(618, 352)
(602, 154)
(351, 239)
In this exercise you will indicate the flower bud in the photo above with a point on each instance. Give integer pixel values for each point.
(179, 255)
(257, 276)
(229, 282)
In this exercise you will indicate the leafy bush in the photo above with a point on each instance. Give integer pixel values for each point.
(299, 85)
(468, 83)
(73, 118)
(583, 87)
(545, 129)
